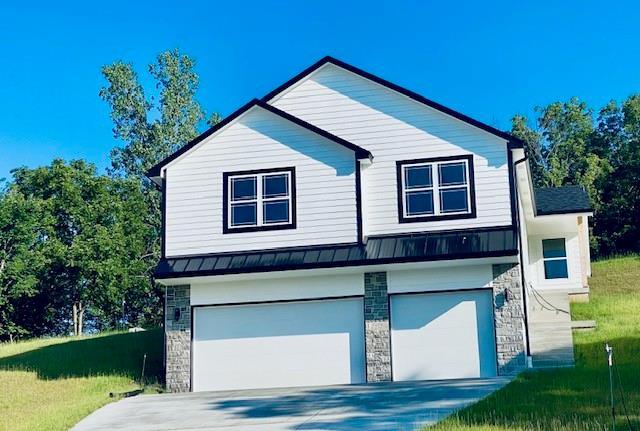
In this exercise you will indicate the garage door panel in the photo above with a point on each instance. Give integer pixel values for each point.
(278, 345)
(442, 336)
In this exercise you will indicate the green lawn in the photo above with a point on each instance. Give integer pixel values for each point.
(577, 398)
(50, 384)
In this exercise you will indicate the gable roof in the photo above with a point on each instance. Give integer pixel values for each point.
(360, 152)
(514, 142)
(561, 200)
(415, 247)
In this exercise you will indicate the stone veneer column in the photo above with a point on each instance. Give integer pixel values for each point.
(377, 333)
(178, 338)
(509, 318)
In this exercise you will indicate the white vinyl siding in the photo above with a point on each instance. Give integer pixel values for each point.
(393, 127)
(325, 182)
(574, 267)
(260, 288)
(444, 278)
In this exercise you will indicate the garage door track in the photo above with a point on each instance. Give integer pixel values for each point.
(370, 407)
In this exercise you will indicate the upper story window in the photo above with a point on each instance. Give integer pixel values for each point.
(259, 200)
(554, 256)
(435, 189)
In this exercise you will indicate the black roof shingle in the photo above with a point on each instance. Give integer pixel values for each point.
(561, 200)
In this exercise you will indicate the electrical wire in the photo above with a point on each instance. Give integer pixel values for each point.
(538, 297)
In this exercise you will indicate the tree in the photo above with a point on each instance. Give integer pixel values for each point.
(150, 130)
(533, 148)
(91, 238)
(565, 128)
(147, 140)
(21, 258)
(618, 134)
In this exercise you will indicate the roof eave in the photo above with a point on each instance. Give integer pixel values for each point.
(588, 212)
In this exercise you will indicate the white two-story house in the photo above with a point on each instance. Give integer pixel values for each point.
(343, 229)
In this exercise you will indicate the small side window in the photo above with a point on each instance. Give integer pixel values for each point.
(554, 256)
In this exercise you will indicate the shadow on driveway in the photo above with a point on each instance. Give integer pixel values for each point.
(372, 407)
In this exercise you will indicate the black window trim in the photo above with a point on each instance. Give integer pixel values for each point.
(225, 201)
(421, 219)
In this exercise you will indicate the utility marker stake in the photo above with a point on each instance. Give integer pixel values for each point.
(144, 361)
(609, 351)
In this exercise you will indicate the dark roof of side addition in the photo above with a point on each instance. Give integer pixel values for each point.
(514, 142)
(561, 200)
(418, 247)
(360, 152)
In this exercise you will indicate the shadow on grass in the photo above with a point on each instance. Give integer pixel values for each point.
(562, 399)
(116, 354)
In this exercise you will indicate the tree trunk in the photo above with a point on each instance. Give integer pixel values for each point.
(81, 320)
(78, 318)
(75, 318)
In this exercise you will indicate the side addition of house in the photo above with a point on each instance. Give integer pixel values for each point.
(343, 229)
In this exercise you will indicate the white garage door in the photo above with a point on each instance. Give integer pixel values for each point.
(278, 345)
(442, 335)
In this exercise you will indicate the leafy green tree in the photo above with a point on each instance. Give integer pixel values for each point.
(92, 245)
(21, 258)
(618, 224)
(151, 129)
(533, 148)
(565, 128)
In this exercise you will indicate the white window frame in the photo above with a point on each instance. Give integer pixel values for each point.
(545, 259)
(435, 187)
(259, 200)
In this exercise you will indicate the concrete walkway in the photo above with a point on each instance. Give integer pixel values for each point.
(373, 407)
(550, 330)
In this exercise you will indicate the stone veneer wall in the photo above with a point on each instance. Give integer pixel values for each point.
(178, 339)
(509, 318)
(377, 332)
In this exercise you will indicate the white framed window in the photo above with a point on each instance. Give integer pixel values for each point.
(554, 257)
(259, 200)
(431, 189)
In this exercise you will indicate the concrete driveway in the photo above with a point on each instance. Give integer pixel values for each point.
(372, 407)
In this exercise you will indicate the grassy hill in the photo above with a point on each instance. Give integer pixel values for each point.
(50, 384)
(577, 398)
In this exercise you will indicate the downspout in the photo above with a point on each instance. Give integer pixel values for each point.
(524, 290)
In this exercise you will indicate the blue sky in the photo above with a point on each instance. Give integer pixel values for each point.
(486, 59)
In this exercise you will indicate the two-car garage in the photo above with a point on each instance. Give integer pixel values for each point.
(436, 335)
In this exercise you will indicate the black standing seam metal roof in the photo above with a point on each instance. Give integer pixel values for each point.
(419, 247)
(561, 200)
